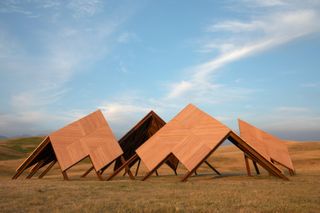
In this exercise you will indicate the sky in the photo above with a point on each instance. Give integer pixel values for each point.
(250, 59)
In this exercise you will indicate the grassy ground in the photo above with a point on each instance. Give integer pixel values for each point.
(207, 192)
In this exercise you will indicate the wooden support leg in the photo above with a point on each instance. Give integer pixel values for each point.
(256, 167)
(99, 175)
(247, 165)
(157, 173)
(18, 173)
(127, 168)
(195, 172)
(155, 169)
(124, 174)
(87, 172)
(175, 172)
(65, 176)
(47, 169)
(216, 171)
(132, 159)
(137, 168)
(291, 172)
(35, 169)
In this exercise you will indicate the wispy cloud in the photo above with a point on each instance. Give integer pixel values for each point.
(245, 38)
(66, 48)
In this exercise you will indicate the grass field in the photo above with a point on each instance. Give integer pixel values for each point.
(207, 192)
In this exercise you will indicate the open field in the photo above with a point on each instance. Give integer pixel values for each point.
(207, 192)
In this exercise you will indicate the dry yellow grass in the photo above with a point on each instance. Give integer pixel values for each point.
(232, 192)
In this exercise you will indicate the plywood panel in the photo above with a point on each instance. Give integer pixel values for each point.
(183, 136)
(266, 144)
(89, 136)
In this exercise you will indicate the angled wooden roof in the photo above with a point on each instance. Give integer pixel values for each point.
(139, 134)
(190, 132)
(89, 136)
(192, 136)
(268, 145)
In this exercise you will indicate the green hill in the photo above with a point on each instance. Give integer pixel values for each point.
(18, 147)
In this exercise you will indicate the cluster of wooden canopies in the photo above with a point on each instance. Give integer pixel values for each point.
(188, 139)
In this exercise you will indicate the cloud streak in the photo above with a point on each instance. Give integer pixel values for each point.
(246, 38)
(66, 48)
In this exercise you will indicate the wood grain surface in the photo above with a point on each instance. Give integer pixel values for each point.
(271, 147)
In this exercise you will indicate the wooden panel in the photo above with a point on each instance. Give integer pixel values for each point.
(89, 136)
(267, 145)
(182, 136)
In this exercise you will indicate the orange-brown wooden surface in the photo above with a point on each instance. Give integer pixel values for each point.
(89, 136)
(271, 147)
(189, 136)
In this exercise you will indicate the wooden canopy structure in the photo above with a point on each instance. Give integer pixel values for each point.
(192, 136)
(90, 137)
(137, 135)
(272, 148)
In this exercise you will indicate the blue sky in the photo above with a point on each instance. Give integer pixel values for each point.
(250, 59)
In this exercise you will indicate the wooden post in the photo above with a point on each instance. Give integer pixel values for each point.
(99, 175)
(247, 165)
(137, 168)
(157, 173)
(35, 169)
(87, 172)
(195, 172)
(132, 159)
(155, 169)
(186, 176)
(65, 176)
(127, 168)
(216, 171)
(256, 167)
(47, 169)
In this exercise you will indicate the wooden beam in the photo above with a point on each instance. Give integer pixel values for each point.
(254, 155)
(256, 167)
(99, 175)
(127, 168)
(65, 176)
(47, 169)
(87, 172)
(18, 173)
(247, 165)
(137, 167)
(35, 169)
(155, 169)
(186, 176)
(124, 165)
(291, 172)
(216, 171)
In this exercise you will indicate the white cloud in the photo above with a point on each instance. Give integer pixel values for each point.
(66, 48)
(180, 88)
(245, 38)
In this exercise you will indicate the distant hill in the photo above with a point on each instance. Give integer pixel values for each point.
(18, 147)
(3, 137)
